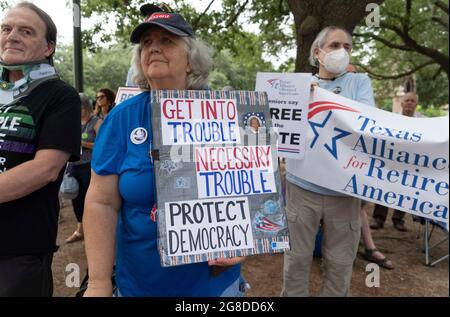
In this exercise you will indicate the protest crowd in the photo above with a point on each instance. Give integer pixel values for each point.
(168, 229)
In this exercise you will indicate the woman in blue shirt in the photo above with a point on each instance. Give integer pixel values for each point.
(118, 223)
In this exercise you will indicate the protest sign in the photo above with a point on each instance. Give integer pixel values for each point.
(288, 95)
(234, 171)
(217, 178)
(124, 93)
(378, 156)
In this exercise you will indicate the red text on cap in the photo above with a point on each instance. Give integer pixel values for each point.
(158, 16)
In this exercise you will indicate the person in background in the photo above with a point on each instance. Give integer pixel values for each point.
(104, 102)
(81, 170)
(371, 253)
(117, 222)
(40, 132)
(409, 105)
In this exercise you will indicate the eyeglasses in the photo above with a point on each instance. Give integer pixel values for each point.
(99, 97)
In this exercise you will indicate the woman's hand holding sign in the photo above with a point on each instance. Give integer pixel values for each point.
(226, 261)
(222, 264)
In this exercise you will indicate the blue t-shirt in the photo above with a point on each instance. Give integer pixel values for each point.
(352, 86)
(122, 148)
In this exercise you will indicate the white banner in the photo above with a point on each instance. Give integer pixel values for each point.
(125, 93)
(288, 95)
(378, 156)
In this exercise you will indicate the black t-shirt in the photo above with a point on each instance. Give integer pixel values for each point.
(48, 118)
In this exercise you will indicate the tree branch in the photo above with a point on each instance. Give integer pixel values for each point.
(407, 19)
(435, 76)
(195, 24)
(398, 76)
(238, 13)
(368, 40)
(413, 45)
(280, 5)
(440, 20)
(441, 5)
(386, 42)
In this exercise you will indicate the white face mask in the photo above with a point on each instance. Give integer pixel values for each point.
(336, 62)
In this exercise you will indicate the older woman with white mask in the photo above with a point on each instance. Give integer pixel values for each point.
(117, 221)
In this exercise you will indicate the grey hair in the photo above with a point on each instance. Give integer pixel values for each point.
(85, 102)
(320, 40)
(200, 59)
(50, 27)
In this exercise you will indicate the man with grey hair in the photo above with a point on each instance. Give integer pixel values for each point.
(39, 132)
(308, 204)
(409, 105)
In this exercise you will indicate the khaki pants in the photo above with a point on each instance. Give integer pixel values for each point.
(341, 235)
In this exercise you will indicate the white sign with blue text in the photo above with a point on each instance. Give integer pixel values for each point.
(378, 156)
(288, 95)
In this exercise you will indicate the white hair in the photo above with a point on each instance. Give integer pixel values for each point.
(85, 102)
(321, 39)
(199, 57)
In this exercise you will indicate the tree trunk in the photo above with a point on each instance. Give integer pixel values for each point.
(311, 16)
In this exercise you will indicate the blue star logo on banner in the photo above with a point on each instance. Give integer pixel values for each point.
(333, 147)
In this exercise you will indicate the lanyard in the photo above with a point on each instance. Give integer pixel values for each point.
(153, 156)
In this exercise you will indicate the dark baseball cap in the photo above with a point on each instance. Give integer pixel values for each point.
(172, 22)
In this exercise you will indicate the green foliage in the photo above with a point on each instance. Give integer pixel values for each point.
(236, 72)
(243, 32)
(3, 5)
(107, 68)
(238, 53)
(382, 60)
(432, 111)
(123, 15)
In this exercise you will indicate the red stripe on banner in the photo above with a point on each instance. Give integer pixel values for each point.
(319, 103)
(325, 108)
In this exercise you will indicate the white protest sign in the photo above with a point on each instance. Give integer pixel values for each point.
(234, 171)
(199, 226)
(217, 187)
(125, 93)
(378, 156)
(199, 121)
(288, 95)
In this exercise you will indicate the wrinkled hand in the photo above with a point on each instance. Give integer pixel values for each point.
(226, 261)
